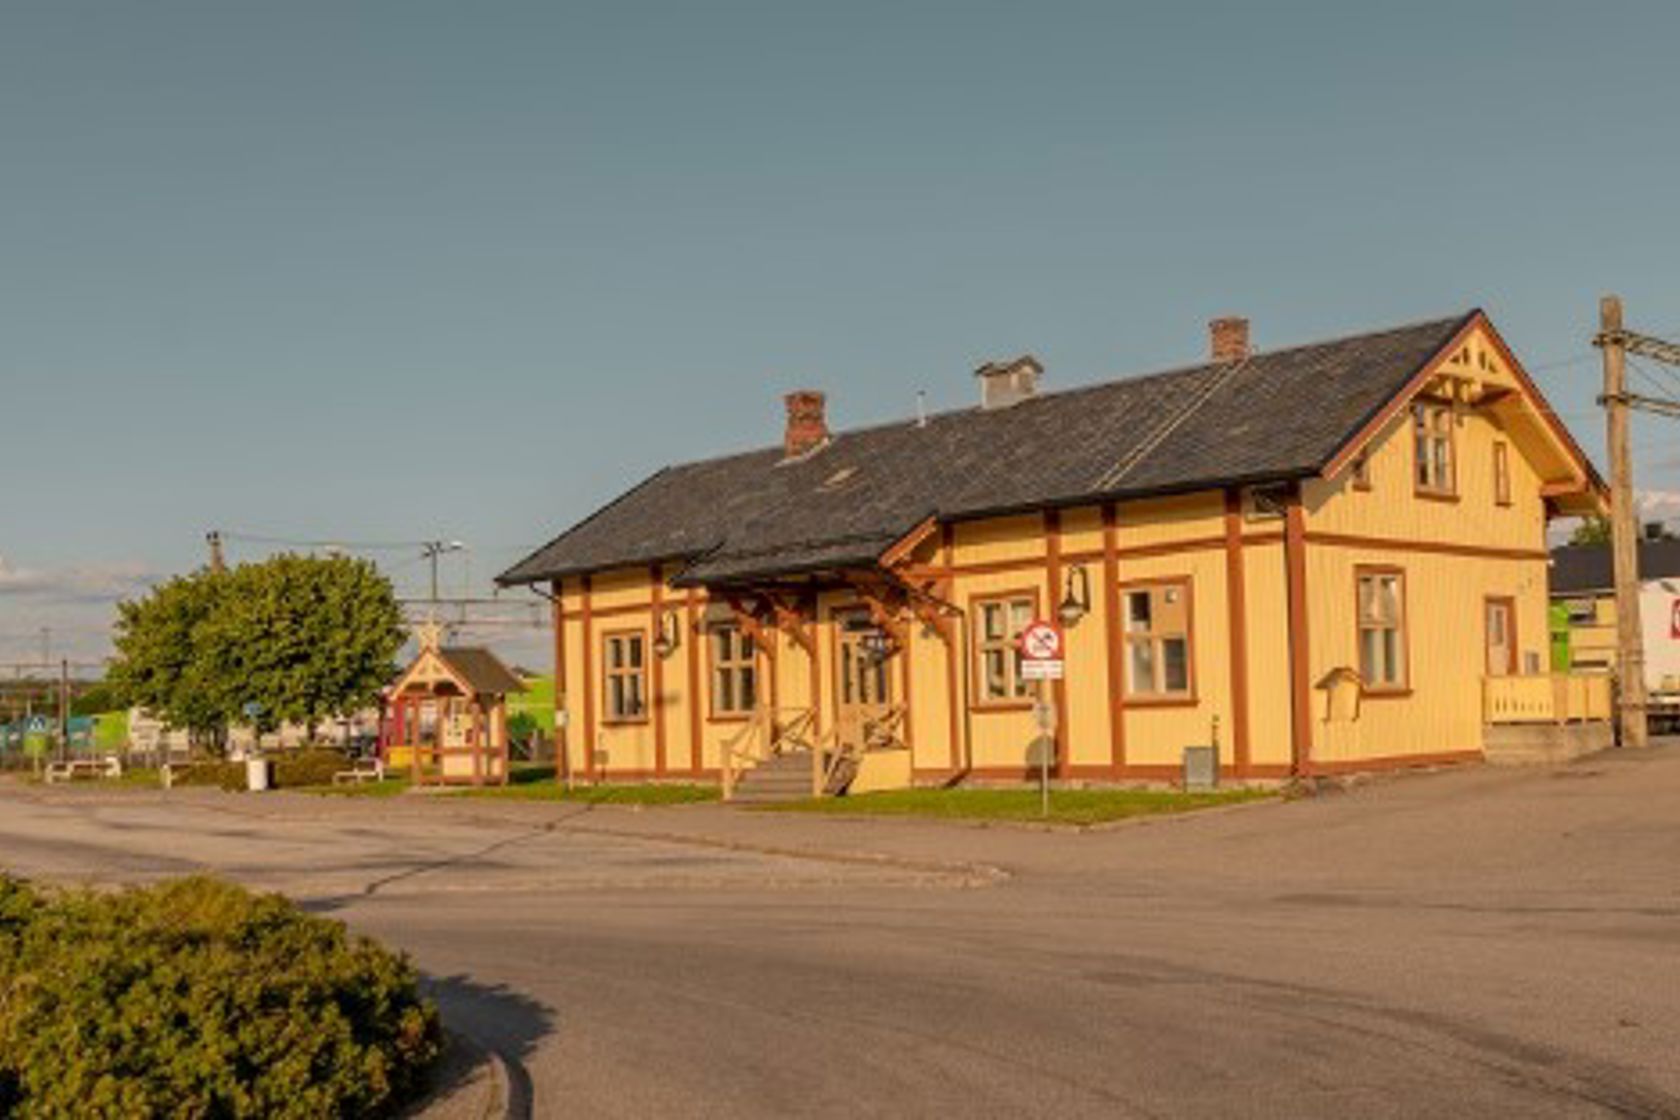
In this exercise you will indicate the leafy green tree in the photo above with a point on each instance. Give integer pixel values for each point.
(94, 699)
(160, 664)
(1596, 530)
(1592, 530)
(303, 638)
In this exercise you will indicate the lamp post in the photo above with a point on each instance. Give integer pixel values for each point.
(431, 551)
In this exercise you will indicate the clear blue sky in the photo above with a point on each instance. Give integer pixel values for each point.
(390, 271)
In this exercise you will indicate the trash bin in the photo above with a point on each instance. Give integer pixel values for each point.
(256, 774)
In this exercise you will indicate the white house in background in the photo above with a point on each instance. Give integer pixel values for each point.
(1582, 583)
(148, 736)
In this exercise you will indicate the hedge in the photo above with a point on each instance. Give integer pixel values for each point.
(196, 998)
(313, 766)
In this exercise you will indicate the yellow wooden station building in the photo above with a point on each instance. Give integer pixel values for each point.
(1323, 558)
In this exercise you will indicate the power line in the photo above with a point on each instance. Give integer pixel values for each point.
(341, 543)
(1663, 378)
(1563, 363)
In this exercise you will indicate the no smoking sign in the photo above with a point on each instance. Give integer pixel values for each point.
(1041, 651)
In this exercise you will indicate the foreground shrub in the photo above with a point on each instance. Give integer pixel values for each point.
(198, 999)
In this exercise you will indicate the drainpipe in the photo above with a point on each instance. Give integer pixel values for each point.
(967, 764)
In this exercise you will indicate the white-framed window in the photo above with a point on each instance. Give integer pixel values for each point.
(998, 623)
(1381, 598)
(1432, 440)
(624, 661)
(1156, 638)
(734, 671)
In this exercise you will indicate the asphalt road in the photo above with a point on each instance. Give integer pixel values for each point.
(1479, 943)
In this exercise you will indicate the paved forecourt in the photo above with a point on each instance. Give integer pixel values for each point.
(1481, 943)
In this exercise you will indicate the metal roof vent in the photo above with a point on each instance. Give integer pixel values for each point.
(1005, 383)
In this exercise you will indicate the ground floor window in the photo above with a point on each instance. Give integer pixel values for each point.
(625, 660)
(1156, 638)
(997, 632)
(1382, 628)
(734, 672)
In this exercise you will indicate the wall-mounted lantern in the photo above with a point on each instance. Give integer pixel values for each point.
(1076, 601)
(669, 637)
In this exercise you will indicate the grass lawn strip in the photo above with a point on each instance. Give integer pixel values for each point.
(533, 791)
(674, 794)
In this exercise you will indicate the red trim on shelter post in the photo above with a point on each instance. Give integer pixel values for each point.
(562, 740)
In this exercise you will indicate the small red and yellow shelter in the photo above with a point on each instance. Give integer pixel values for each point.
(446, 715)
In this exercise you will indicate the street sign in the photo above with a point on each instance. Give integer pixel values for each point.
(1041, 652)
(1044, 716)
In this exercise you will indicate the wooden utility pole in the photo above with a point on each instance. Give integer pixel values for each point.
(64, 709)
(1624, 528)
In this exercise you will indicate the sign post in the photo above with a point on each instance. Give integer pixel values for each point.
(1041, 661)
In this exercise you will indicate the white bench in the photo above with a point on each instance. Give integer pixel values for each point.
(362, 770)
(70, 770)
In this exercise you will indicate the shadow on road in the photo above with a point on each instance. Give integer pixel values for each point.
(498, 1018)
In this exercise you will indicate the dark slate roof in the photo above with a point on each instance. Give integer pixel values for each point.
(1281, 414)
(482, 669)
(1578, 569)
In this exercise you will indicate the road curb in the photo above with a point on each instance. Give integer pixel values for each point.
(493, 1100)
(969, 874)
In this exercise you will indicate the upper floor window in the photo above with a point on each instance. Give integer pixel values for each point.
(1382, 629)
(1432, 438)
(734, 672)
(625, 657)
(1000, 622)
(1360, 470)
(1157, 640)
(1502, 473)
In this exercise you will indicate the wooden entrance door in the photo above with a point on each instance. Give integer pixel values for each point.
(864, 690)
(1500, 627)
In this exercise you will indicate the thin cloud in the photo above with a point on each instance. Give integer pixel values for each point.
(1658, 501)
(98, 583)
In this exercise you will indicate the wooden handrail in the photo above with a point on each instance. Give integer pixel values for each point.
(767, 732)
(1546, 698)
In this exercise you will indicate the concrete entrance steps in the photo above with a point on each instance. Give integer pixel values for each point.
(1543, 744)
(784, 777)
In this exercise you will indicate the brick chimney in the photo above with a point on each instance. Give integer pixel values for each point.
(807, 423)
(1228, 338)
(1005, 383)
